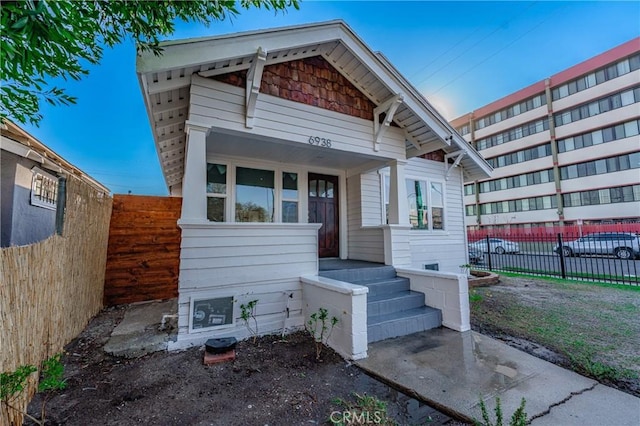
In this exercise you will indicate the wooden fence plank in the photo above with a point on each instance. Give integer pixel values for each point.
(143, 255)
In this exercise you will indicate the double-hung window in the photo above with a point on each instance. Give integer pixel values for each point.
(216, 192)
(289, 197)
(425, 201)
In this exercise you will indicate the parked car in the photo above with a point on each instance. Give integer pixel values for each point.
(623, 245)
(497, 245)
(475, 256)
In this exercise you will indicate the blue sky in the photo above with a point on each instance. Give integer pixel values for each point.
(460, 55)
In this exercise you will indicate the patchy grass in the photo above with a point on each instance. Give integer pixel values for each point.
(573, 274)
(596, 328)
(561, 281)
(361, 410)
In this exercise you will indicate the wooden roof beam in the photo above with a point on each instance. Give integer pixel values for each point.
(389, 107)
(254, 77)
(458, 155)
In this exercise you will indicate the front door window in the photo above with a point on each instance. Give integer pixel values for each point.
(323, 208)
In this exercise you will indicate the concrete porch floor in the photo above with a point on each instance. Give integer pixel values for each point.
(332, 264)
(451, 371)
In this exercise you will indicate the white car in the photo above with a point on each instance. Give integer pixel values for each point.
(497, 245)
(623, 245)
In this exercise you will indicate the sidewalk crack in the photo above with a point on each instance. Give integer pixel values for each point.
(571, 395)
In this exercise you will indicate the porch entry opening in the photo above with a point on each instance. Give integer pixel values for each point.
(323, 208)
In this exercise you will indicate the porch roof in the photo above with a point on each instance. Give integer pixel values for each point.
(165, 82)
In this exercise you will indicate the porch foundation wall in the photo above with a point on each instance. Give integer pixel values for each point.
(446, 291)
(246, 261)
(345, 301)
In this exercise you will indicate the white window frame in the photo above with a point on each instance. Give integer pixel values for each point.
(427, 181)
(283, 198)
(37, 199)
(225, 196)
(278, 170)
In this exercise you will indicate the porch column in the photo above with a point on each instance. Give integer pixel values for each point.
(398, 207)
(397, 247)
(194, 182)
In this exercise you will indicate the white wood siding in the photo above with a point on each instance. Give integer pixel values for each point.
(364, 243)
(248, 261)
(221, 105)
(447, 248)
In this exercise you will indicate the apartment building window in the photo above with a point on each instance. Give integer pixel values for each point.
(469, 189)
(528, 179)
(516, 109)
(608, 134)
(470, 209)
(520, 156)
(464, 130)
(597, 77)
(514, 133)
(621, 194)
(520, 205)
(600, 106)
(604, 165)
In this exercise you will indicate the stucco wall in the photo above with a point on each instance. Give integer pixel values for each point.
(23, 224)
(7, 173)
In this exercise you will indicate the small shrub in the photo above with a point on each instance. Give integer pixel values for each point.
(248, 313)
(519, 417)
(320, 327)
(13, 384)
(475, 297)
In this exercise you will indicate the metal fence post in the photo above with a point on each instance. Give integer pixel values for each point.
(563, 270)
(488, 252)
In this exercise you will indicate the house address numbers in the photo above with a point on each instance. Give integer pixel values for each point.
(317, 140)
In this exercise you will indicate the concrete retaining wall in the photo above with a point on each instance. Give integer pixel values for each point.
(446, 291)
(345, 301)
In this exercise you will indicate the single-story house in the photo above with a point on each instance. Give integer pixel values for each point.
(32, 185)
(294, 145)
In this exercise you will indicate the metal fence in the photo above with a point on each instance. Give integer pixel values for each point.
(608, 256)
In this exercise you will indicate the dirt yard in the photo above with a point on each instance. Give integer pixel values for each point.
(273, 382)
(594, 330)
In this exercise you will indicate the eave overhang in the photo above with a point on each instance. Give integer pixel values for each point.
(165, 82)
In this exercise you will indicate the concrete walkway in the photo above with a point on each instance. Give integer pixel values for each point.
(145, 328)
(452, 371)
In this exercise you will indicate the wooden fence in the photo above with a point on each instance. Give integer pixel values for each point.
(143, 256)
(49, 290)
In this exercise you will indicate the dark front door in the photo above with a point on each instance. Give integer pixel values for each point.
(323, 208)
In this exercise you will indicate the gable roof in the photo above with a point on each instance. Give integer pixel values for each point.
(165, 82)
(18, 141)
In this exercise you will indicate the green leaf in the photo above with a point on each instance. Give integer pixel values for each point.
(21, 23)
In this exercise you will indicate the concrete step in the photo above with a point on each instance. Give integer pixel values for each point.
(387, 287)
(387, 326)
(358, 275)
(383, 304)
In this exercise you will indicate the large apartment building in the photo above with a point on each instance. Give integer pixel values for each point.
(565, 150)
